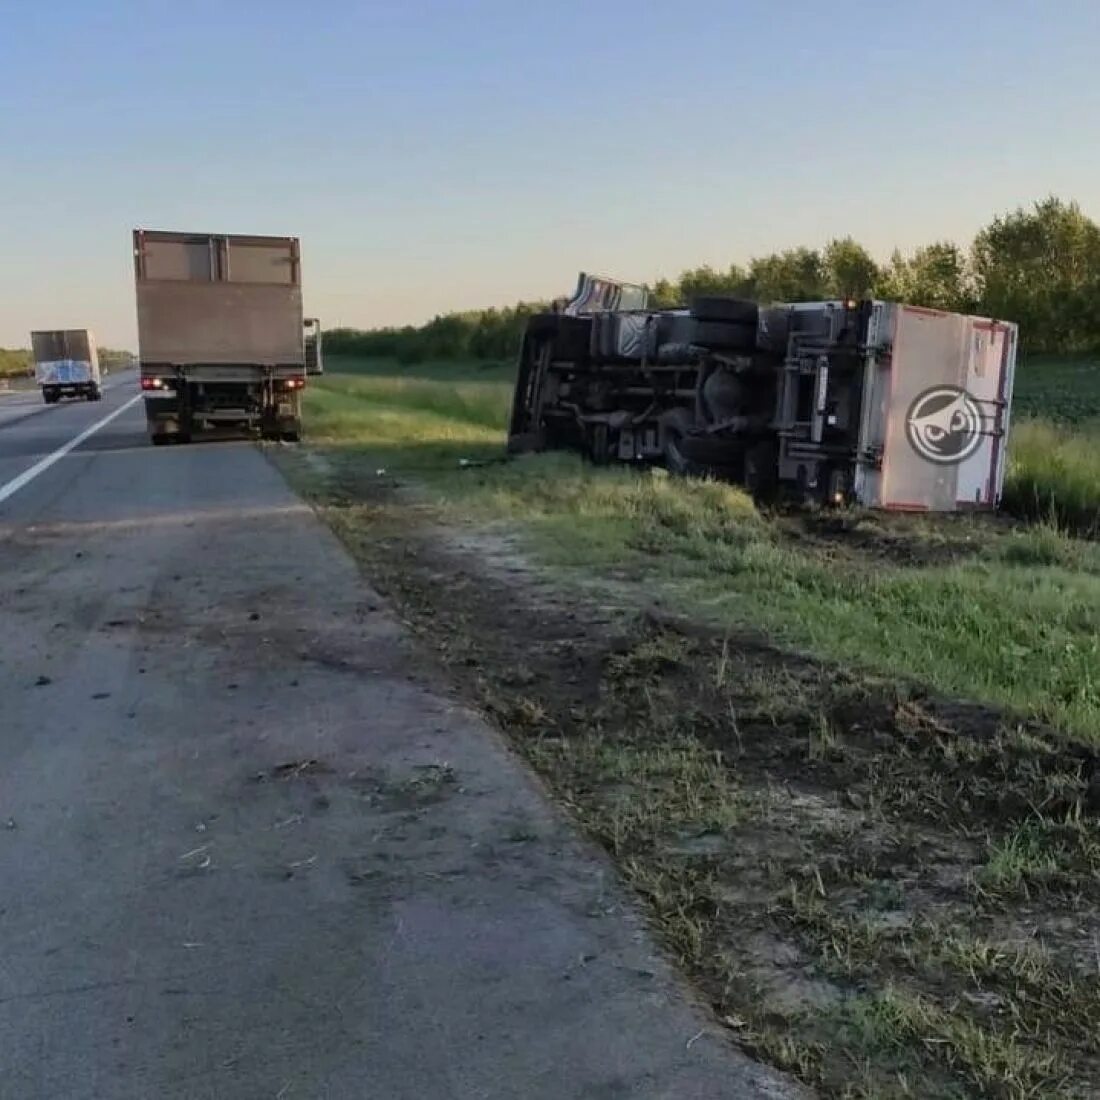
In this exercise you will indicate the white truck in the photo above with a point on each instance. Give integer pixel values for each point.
(66, 364)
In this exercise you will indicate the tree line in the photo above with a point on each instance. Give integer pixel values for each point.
(1039, 267)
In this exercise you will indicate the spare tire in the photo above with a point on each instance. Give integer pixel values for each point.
(573, 339)
(712, 307)
(725, 335)
(570, 335)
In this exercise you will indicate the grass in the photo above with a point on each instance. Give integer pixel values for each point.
(1016, 623)
(1054, 462)
(1065, 389)
(880, 884)
(1054, 474)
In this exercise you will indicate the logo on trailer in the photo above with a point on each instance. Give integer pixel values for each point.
(944, 425)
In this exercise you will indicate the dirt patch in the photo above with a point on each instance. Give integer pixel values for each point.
(896, 540)
(885, 892)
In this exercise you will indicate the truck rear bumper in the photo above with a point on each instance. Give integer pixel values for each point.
(168, 412)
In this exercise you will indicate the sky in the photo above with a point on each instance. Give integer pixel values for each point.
(435, 156)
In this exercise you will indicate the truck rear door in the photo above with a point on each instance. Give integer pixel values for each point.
(950, 384)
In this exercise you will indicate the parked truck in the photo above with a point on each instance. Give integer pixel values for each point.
(66, 364)
(222, 339)
(868, 402)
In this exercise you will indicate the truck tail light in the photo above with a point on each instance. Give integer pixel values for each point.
(153, 384)
(295, 383)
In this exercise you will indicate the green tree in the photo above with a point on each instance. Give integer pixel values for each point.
(797, 274)
(936, 276)
(849, 270)
(1041, 268)
(664, 295)
(705, 280)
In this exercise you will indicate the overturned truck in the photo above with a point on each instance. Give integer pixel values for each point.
(865, 402)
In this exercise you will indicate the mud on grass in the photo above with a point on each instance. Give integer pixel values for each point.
(886, 893)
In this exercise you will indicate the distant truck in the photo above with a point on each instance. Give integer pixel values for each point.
(222, 340)
(66, 364)
(873, 403)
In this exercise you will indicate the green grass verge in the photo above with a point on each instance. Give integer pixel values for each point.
(1010, 618)
(1054, 474)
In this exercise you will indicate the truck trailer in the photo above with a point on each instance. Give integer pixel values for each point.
(874, 403)
(222, 339)
(66, 364)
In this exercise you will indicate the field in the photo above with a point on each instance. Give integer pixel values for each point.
(1055, 461)
(1066, 389)
(849, 762)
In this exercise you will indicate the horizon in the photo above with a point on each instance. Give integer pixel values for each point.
(434, 161)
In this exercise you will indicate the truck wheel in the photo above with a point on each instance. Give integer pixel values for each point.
(674, 426)
(761, 476)
(599, 444)
(713, 307)
(160, 439)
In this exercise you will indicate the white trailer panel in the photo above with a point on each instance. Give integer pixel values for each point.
(940, 388)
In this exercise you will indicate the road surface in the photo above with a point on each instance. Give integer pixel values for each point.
(249, 848)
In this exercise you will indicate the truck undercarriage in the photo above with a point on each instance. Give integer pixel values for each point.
(180, 401)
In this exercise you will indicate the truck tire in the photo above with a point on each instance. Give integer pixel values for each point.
(761, 477)
(725, 336)
(598, 438)
(570, 336)
(713, 307)
(673, 427)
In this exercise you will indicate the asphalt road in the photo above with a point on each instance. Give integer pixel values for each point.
(249, 847)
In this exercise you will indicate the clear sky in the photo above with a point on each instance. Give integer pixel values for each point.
(437, 155)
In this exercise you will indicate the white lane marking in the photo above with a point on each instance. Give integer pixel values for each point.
(26, 476)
